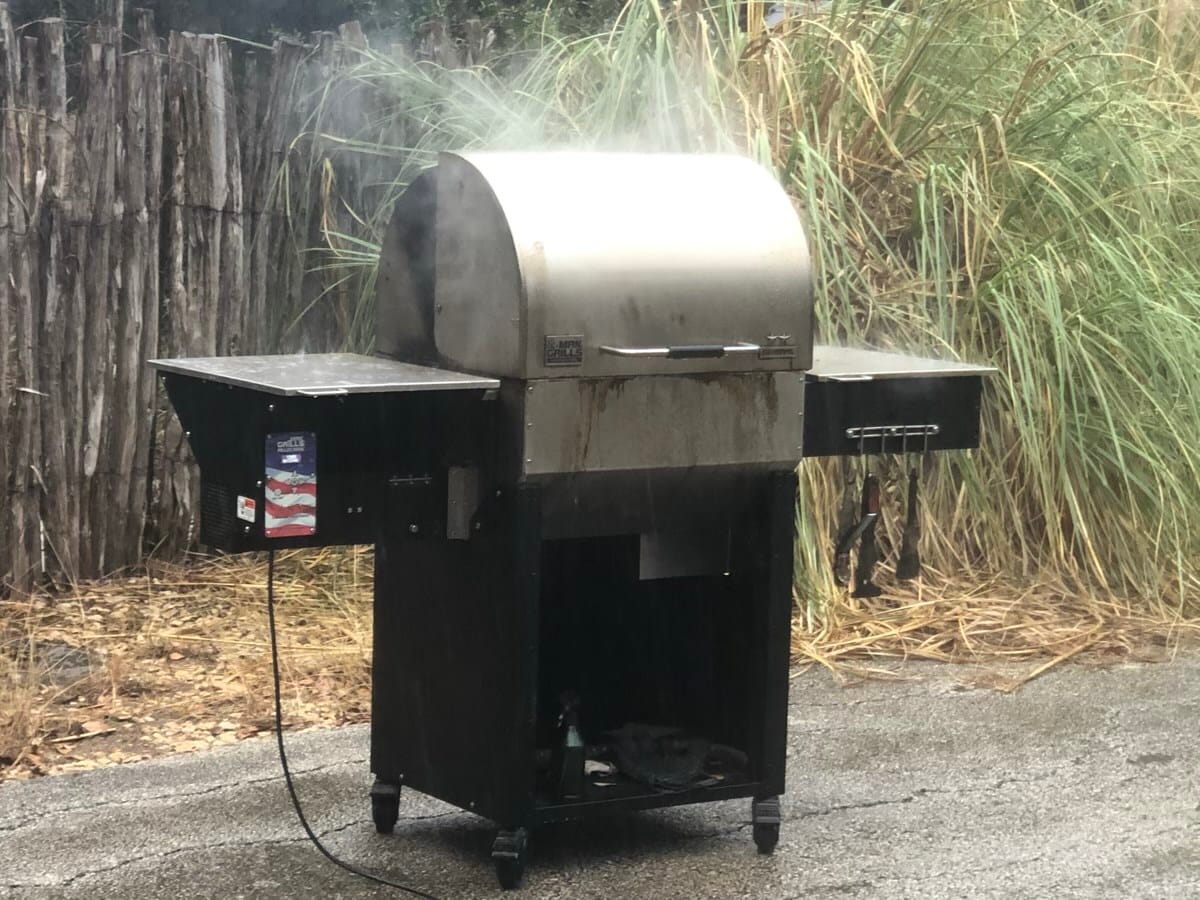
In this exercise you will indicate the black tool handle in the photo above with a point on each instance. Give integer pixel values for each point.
(696, 351)
(909, 564)
(847, 522)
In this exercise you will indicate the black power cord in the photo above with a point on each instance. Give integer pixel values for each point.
(287, 773)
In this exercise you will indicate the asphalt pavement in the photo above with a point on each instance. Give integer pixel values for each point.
(1083, 784)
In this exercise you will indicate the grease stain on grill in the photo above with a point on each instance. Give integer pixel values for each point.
(593, 398)
(743, 409)
(632, 312)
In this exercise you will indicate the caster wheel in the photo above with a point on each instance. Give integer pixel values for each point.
(509, 854)
(765, 838)
(766, 816)
(385, 806)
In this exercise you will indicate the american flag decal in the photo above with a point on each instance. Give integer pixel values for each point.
(291, 484)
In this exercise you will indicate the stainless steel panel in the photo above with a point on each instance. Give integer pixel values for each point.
(543, 258)
(662, 422)
(322, 374)
(857, 364)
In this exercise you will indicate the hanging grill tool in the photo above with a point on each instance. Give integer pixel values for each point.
(908, 566)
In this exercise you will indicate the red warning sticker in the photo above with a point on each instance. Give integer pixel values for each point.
(246, 508)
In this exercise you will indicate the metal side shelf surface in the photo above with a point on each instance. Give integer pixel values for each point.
(860, 401)
(323, 374)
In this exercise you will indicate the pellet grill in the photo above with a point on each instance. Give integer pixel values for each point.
(574, 451)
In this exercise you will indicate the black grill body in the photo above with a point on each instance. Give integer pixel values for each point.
(575, 456)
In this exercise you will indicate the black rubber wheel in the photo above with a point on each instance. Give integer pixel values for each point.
(509, 854)
(509, 873)
(766, 814)
(385, 806)
(765, 838)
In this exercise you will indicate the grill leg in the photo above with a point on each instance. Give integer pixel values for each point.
(509, 852)
(766, 815)
(385, 805)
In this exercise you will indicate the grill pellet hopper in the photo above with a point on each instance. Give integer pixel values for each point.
(574, 451)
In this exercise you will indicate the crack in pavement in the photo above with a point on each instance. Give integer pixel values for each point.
(839, 887)
(200, 848)
(998, 784)
(170, 796)
(860, 701)
(866, 804)
(959, 873)
(846, 887)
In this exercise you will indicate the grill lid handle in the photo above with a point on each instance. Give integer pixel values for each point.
(682, 351)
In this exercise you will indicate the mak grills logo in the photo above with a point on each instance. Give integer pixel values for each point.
(295, 442)
(563, 350)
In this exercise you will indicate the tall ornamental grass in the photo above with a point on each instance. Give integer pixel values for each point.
(1012, 183)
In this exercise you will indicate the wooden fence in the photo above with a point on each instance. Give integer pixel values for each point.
(154, 203)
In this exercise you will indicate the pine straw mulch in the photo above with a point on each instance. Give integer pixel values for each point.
(176, 658)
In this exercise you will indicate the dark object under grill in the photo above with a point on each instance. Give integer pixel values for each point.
(575, 454)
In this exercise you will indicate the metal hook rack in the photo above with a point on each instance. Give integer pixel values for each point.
(883, 433)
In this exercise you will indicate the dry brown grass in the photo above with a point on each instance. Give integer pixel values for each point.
(1040, 625)
(180, 658)
(19, 720)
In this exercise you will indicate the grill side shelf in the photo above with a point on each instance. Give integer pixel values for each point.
(322, 374)
(859, 402)
(859, 364)
(282, 471)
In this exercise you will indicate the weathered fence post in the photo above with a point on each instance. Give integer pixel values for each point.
(275, 249)
(92, 230)
(147, 153)
(138, 179)
(231, 290)
(18, 377)
(57, 356)
(12, 310)
(205, 252)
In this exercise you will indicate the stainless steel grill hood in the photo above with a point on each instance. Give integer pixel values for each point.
(614, 286)
(553, 265)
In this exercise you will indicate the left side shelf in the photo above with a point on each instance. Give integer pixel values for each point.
(320, 449)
